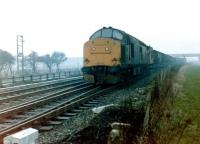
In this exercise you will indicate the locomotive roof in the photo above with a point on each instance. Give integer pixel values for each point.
(108, 32)
(124, 34)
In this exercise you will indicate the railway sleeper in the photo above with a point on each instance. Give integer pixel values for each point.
(83, 107)
(62, 117)
(92, 102)
(97, 100)
(54, 122)
(4, 125)
(21, 116)
(12, 120)
(45, 128)
(69, 114)
(77, 110)
(88, 105)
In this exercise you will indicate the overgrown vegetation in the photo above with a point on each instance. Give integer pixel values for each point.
(187, 106)
(175, 117)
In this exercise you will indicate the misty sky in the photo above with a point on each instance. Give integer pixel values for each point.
(170, 26)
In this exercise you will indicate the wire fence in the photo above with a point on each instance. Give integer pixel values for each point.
(25, 79)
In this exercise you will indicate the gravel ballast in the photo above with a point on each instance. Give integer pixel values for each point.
(66, 130)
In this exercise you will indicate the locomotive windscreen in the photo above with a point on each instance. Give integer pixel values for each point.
(107, 33)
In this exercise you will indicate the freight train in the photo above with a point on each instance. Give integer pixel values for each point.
(111, 56)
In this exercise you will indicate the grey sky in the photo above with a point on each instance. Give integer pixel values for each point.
(170, 26)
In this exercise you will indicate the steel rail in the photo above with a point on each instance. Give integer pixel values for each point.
(55, 111)
(10, 112)
(16, 97)
(36, 85)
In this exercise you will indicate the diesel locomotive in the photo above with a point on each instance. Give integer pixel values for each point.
(111, 55)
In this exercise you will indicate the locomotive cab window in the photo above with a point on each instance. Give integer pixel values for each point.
(106, 33)
(117, 35)
(96, 35)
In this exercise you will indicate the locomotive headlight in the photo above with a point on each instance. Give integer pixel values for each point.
(106, 48)
(114, 61)
(86, 61)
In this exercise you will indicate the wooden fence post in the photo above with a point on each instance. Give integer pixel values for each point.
(13, 80)
(31, 77)
(23, 78)
(1, 84)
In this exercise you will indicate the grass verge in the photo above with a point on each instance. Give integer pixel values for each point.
(178, 112)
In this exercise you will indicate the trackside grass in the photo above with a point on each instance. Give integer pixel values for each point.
(187, 105)
(175, 116)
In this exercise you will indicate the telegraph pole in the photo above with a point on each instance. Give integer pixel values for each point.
(20, 54)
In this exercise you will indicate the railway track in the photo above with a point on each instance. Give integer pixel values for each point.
(22, 88)
(18, 100)
(39, 110)
(39, 93)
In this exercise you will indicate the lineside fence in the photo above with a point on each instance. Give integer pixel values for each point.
(25, 79)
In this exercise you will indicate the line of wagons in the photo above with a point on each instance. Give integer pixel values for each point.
(111, 56)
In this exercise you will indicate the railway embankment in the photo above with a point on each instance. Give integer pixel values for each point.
(174, 114)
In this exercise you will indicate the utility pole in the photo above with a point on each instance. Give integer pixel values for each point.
(20, 55)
